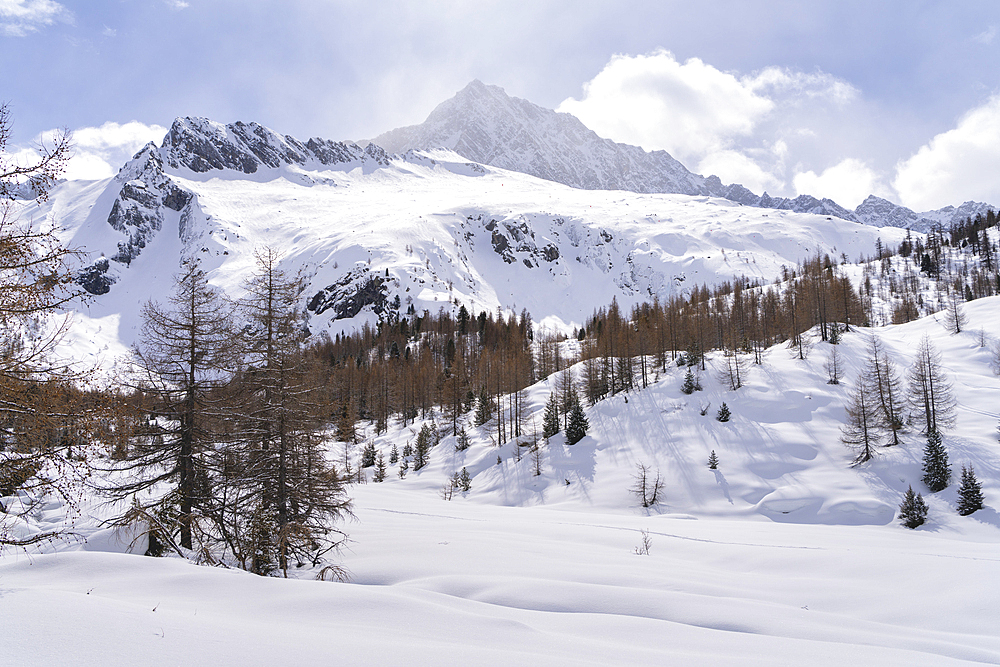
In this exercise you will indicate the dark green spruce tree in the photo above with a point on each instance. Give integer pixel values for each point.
(689, 383)
(913, 509)
(578, 423)
(970, 493)
(937, 472)
(550, 421)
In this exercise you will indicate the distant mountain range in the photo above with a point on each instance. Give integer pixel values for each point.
(492, 203)
(484, 124)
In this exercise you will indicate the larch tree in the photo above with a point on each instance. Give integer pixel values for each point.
(929, 391)
(955, 319)
(184, 358)
(860, 431)
(882, 376)
(40, 412)
(295, 491)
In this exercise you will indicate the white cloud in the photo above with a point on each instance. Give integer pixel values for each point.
(956, 165)
(848, 183)
(18, 18)
(654, 101)
(742, 128)
(98, 152)
(177, 5)
(986, 36)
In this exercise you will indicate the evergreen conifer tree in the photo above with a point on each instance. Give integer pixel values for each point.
(462, 442)
(394, 455)
(465, 481)
(724, 414)
(368, 455)
(422, 451)
(970, 493)
(689, 384)
(404, 467)
(484, 408)
(550, 421)
(713, 461)
(578, 423)
(937, 472)
(379, 475)
(913, 509)
(407, 450)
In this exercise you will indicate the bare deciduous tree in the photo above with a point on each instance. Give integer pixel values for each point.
(647, 486)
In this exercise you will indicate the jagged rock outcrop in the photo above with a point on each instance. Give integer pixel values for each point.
(202, 145)
(145, 192)
(349, 295)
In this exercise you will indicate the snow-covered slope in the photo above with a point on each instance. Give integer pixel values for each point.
(785, 555)
(429, 229)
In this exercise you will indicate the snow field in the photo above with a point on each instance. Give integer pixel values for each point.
(530, 569)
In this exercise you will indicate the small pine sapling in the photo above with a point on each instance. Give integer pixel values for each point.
(713, 461)
(407, 450)
(394, 455)
(913, 509)
(689, 384)
(937, 472)
(723, 415)
(379, 474)
(465, 481)
(404, 467)
(970, 493)
(462, 443)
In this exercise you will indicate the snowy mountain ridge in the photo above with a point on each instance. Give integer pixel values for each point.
(429, 230)
(482, 123)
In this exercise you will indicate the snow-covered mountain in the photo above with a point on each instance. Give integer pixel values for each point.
(883, 213)
(484, 124)
(430, 230)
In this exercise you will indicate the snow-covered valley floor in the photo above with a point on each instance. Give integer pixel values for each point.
(785, 555)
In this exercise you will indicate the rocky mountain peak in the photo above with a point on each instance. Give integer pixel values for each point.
(484, 124)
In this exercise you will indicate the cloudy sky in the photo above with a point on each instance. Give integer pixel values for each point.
(836, 99)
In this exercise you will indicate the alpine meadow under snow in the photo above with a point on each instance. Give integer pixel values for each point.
(718, 511)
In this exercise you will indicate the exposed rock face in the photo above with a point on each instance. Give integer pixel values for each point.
(516, 240)
(95, 278)
(145, 192)
(349, 295)
(202, 145)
